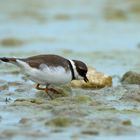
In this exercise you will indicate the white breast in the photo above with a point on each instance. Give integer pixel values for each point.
(46, 75)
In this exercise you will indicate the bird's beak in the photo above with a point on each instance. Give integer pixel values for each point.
(86, 79)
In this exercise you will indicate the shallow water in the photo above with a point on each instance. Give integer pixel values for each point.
(91, 31)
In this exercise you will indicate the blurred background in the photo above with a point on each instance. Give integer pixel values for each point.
(103, 33)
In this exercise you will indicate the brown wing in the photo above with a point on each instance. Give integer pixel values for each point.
(50, 60)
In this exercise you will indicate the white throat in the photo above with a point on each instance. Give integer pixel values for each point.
(74, 69)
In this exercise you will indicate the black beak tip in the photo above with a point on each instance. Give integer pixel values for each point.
(86, 79)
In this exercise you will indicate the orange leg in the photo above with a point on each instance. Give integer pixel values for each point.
(47, 89)
(53, 90)
(39, 88)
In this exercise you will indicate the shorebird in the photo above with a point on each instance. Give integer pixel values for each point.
(50, 70)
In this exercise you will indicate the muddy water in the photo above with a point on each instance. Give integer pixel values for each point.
(104, 34)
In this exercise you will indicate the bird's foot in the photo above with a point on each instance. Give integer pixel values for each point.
(53, 90)
(47, 90)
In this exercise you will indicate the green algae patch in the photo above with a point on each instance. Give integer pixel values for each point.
(55, 102)
(62, 17)
(59, 122)
(3, 85)
(59, 101)
(36, 101)
(28, 14)
(83, 99)
(26, 102)
(135, 8)
(11, 42)
(115, 14)
(90, 132)
(127, 122)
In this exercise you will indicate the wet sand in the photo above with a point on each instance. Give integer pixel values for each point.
(105, 35)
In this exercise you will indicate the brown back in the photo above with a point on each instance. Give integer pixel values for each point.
(50, 60)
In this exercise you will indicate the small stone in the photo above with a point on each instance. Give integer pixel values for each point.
(115, 14)
(37, 101)
(3, 85)
(24, 121)
(32, 101)
(126, 122)
(62, 17)
(82, 99)
(131, 77)
(9, 133)
(90, 132)
(96, 80)
(57, 130)
(20, 100)
(59, 122)
(11, 42)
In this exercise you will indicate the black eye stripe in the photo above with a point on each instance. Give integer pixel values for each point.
(82, 72)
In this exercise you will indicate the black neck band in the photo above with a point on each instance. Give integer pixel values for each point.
(72, 70)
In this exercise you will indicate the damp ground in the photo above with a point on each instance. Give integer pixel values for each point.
(105, 35)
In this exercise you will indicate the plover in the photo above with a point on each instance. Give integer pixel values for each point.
(50, 69)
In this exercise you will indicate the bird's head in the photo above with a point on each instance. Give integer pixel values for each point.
(81, 69)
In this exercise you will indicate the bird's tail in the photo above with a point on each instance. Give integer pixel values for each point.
(8, 60)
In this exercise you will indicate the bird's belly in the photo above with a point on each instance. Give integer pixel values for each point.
(54, 76)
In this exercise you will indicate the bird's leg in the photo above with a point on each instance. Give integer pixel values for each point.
(53, 90)
(46, 90)
(39, 88)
